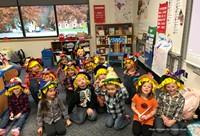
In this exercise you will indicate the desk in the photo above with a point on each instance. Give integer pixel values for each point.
(3, 97)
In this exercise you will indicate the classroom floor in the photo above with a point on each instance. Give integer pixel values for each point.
(96, 128)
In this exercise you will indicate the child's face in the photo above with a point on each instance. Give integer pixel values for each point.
(81, 53)
(81, 82)
(17, 91)
(102, 76)
(129, 65)
(90, 68)
(48, 78)
(64, 61)
(111, 89)
(171, 88)
(51, 93)
(146, 88)
(35, 69)
(70, 72)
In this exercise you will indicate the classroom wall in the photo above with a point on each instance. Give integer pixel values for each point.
(33, 48)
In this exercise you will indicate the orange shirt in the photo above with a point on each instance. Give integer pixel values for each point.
(150, 103)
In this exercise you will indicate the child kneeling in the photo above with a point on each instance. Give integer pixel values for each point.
(52, 114)
(115, 97)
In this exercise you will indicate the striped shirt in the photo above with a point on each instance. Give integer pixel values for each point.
(172, 107)
(115, 104)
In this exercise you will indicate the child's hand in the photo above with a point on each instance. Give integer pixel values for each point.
(121, 85)
(170, 123)
(89, 111)
(18, 115)
(40, 131)
(11, 116)
(70, 88)
(68, 122)
(27, 91)
(143, 117)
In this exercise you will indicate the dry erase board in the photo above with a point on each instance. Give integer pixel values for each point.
(193, 45)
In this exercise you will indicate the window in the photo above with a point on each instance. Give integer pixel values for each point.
(10, 24)
(39, 21)
(72, 18)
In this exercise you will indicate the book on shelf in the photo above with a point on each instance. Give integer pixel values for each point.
(129, 41)
(129, 31)
(111, 31)
(100, 30)
(119, 30)
(125, 38)
(128, 50)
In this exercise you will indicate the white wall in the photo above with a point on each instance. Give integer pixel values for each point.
(33, 48)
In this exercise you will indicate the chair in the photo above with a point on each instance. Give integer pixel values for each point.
(117, 48)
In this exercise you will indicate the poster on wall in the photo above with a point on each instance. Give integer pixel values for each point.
(99, 13)
(162, 18)
(161, 50)
(123, 10)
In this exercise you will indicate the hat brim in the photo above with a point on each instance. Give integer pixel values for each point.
(146, 76)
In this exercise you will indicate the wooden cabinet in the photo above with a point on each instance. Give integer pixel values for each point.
(105, 32)
(68, 47)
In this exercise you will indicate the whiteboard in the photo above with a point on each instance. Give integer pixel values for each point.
(193, 48)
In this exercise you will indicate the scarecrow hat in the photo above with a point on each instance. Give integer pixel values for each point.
(15, 83)
(89, 62)
(61, 57)
(146, 78)
(96, 58)
(100, 69)
(132, 59)
(78, 50)
(32, 62)
(71, 65)
(47, 71)
(88, 78)
(44, 86)
(170, 77)
(112, 77)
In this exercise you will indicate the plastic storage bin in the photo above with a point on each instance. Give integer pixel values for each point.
(47, 61)
(47, 53)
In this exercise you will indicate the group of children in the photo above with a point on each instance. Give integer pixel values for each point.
(92, 86)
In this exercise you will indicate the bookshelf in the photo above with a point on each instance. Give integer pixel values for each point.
(105, 32)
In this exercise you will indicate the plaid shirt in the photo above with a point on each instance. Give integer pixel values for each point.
(29, 76)
(171, 107)
(18, 104)
(56, 111)
(115, 104)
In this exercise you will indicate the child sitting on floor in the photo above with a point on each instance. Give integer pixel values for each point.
(61, 65)
(52, 115)
(100, 90)
(84, 98)
(144, 105)
(81, 58)
(115, 96)
(170, 105)
(32, 79)
(70, 72)
(130, 74)
(19, 107)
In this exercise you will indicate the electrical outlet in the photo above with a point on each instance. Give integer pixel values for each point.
(185, 75)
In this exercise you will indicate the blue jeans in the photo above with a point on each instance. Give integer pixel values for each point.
(119, 123)
(160, 127)
(80, 115)
(19, 122)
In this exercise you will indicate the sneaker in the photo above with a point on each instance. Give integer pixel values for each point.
(15, 132)
(2, 131)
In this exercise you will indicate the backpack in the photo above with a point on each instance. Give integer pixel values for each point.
(192, 99)
(18, 57)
